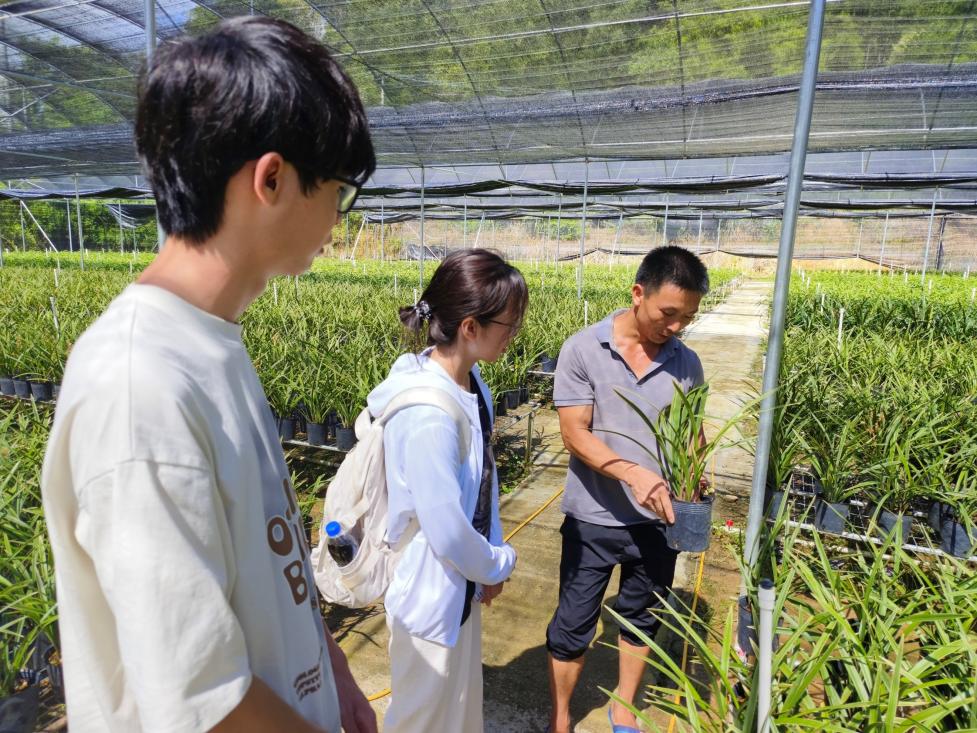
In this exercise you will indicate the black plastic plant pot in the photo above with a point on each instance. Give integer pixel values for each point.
(693, 526)
(41, 391)
(512, 399)
(316, 432)
(955, 540)
(19, 712)
(286, 428)
(888, 521)
(7, 386)
(345, 438)
(776, 501)
(523, 394)
(22, 388)
(500, 408)
(829, 517)
(937, 514)
(548, 364)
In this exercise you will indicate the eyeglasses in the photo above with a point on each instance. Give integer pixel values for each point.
(346, 196)
(513, 327)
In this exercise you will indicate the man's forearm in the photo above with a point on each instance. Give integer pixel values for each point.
(594, 452)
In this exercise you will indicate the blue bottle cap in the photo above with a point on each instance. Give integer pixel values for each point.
(334, 529)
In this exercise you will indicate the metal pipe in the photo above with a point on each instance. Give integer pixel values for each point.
(464, 225)
(885, 232)
(67, 208)
(382, 254)
(421, 259)
(583, 229)
(771, 371)
(665, 224)
(766, 598)
(478, 232)
(150, 19)
(81, 232)
(23, 231)
(929, 237)
(38, 225)
(559, 215)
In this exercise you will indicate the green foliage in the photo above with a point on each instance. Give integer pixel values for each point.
(890, 414)
(871, 641)
(27, 601)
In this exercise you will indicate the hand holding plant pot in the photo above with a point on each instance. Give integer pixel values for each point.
(683, 452)
(650, 491)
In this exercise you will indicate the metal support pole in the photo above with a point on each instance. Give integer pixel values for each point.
(382, 252)
(38, 225)
(665, 223)
(149, 10)
(771, 371)
(583, 229)
(885, 232)
(698, 244)
(67, 208)
(464, 224)
(122, 239)
(23, 231)
(420, 280)
(929, 237)
(617, 233)
(559, 216)
(81, 232)
(478, 232)
(766, 598)
(858, 246)
(719, 228)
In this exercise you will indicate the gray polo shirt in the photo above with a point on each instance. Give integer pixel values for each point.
(589, 370)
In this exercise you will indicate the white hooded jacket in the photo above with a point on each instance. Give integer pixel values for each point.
(427, 479)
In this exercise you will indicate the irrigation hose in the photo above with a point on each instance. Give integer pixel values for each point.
(685, 643)
(695, 603)
(513, 533)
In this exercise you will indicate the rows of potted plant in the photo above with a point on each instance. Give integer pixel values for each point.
(868, 641)
(319, 342)
(882, 410)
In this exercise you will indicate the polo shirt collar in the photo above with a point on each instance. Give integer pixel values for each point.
(605, 334)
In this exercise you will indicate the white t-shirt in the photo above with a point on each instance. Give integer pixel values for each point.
(180, 557)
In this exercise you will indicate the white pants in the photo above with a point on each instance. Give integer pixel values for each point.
(435, 688)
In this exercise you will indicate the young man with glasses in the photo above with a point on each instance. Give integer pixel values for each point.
(185, 594)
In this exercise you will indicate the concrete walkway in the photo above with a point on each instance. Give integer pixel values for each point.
(516, 689)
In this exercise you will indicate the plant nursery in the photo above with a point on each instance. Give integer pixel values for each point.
(818, 156)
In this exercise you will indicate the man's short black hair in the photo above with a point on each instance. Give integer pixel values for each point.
(253, 85)
(673, 265)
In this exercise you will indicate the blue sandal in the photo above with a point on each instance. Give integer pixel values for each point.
(619, 728)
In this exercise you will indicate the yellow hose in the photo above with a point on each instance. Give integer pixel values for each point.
(685, 644)
(695, 603)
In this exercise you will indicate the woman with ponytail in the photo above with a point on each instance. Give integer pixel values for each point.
(470, 312)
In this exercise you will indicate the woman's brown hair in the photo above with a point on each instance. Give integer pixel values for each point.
(474, 283)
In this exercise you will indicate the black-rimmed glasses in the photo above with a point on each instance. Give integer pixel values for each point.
(346, 196)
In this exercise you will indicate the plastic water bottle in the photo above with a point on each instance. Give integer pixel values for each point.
(341, 546)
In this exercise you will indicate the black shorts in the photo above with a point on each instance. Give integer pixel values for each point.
(590, 553)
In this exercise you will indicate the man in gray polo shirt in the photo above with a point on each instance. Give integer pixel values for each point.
(616, 500)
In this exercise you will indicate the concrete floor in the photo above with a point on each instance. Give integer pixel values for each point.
(516, 690)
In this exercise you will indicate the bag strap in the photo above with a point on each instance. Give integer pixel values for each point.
(432, 397)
